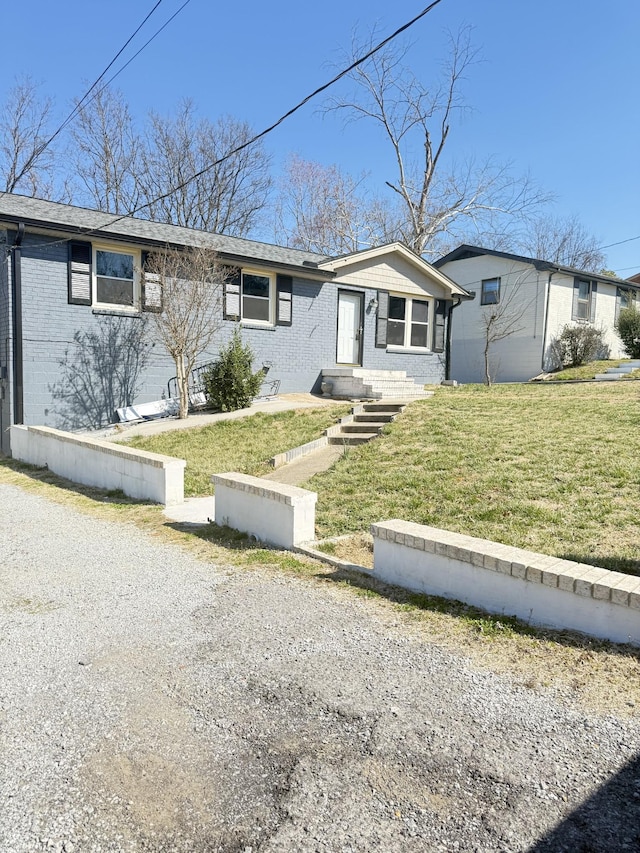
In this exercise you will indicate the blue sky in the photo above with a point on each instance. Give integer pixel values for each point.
(556, 93)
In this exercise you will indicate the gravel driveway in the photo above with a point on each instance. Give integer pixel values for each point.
(152, 702)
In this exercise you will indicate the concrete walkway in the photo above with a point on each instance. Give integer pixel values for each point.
(198, 511)
(282, 403)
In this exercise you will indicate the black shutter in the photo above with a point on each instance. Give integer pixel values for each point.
(79, 282)
(151, 288)
(439, 318)
(594, 291)
(576, 292)
(284, 300)
(231, 306)
(381, 318)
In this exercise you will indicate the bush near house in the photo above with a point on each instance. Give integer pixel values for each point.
(628, 329)
(577, 345)
(230, 382)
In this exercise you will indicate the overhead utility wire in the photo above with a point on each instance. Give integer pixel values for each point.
(620, 242)
(83, 101)
(272, 127)
(137, 53)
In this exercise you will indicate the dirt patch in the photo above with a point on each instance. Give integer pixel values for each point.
(356, 549)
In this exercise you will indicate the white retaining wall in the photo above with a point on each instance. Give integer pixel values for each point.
(275, 513)
(94, 462)
(539, 589)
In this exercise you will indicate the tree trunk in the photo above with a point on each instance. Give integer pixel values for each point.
(183, 386)
(487, 370)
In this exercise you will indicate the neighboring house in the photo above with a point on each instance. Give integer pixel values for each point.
(538, 299)
(73, 298)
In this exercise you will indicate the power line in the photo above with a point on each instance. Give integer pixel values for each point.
(78, 106)
(85, 100)
(137, 53)
(272, 127)
(620, 242)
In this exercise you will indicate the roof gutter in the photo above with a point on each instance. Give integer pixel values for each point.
(546, 317)
(16, 317)
(447, 348)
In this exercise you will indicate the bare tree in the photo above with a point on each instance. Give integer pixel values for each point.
(26, 165)
(565, 241)
(191, 283)
(227, 199)
(322, 209)
(106, 153)
(436, 200)
(502, 319)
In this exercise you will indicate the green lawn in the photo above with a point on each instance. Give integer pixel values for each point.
(547, 467)
(588, 371)
(244, 445)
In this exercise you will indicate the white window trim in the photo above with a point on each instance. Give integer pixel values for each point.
(409, 298)
(137, 289)
(246, 321)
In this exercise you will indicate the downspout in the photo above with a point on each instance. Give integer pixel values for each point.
(447, 350)
(546, 319)
(16, 308)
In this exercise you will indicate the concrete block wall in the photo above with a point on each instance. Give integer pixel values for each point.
(92, 462)
(537, 588)
(274, 513)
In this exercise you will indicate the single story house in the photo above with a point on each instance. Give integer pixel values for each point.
(74, 298)
(538, 299)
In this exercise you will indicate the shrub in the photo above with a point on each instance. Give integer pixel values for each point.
(229, 383)
(628, 329)
(576, 345)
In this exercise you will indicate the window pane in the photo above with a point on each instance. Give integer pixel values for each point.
(255, 308)
(114, 291)
(114, 265)
(583, 289)
(583, 310)
(397, 307)
(419, 311)
(419, 335)
(395, 332)
(490, 291)
(255, 285)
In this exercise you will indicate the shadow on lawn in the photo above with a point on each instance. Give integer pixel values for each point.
(613, 564)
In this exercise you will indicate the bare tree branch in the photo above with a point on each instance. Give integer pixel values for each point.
(192, 283)
(228, 199)
(25, 165)
(106, 153)
(436, 200)
(564, 240)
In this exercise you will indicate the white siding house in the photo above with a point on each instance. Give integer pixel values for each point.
(536, 300)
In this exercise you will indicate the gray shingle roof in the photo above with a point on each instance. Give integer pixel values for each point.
(82, 222)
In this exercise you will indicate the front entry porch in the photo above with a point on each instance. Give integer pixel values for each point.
(358, 383)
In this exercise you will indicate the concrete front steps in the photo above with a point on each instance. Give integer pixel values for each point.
(365, 422)
(613, 373)
(357, 383)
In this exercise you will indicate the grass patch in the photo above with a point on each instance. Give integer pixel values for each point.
(244, 445)
(550, 468)
(588, 371)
